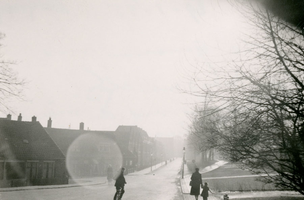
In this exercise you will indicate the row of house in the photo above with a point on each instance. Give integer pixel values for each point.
(31, 154)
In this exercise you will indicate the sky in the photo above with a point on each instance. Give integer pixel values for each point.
(112, 62)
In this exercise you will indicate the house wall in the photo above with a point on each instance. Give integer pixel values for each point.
(15, 173)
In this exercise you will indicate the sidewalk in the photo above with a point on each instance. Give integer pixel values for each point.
(186, 180)
(148, 170)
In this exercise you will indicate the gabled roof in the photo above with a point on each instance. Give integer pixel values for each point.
(20, 140)
(125, 131)
(125, 135)
(65, 137)
(123, 128)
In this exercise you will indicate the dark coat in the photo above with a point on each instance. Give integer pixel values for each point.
(120, 181)
(196, 181)
(205, 192)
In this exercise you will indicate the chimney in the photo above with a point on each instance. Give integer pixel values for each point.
(20, 117)
(9, 117)
(49, 123)
(81, 127)
(34, 119)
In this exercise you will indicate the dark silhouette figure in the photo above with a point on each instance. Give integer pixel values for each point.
(196, 182)
(110, 174)
(120, 183)
(205, 192)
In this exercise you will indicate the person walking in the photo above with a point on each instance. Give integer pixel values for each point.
(120, 184)
(205, 192)
(195, 183)
(109, 174)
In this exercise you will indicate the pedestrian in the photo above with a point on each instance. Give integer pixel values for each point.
(195, 183)
(120, 184)
(109, 174)
(205, 192)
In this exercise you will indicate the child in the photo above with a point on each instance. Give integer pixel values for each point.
(205, 192)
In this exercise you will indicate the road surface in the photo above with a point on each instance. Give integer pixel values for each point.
(161, 184)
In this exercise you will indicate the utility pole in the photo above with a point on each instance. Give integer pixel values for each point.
(151, 161)
(184, 150)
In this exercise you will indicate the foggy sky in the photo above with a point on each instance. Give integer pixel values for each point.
(108, 63)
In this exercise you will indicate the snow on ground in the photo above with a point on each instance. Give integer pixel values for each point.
(286, 195)
(213, 167)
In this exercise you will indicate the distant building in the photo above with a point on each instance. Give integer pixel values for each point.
(88, 153)
(136, 145)
(28, 156)
(172, 147)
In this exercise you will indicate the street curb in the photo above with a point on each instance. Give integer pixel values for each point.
(183, 186)
(47, 187)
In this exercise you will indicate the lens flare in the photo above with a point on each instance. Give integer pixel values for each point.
(89, 156)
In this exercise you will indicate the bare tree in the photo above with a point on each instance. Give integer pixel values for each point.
(203, 131)
(10, 85)
(261, 104)
(291, 11)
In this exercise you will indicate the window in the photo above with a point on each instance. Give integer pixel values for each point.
(32, 170)
(15, 170)
(1, 169)
(48, 169)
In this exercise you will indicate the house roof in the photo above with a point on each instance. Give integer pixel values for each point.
(65, 137)
(26, 141)
(124, 132)
(125, 135)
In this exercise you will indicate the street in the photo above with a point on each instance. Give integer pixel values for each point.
(161, 184)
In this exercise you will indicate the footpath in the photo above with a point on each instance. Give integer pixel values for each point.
(262, 195)
(186, 180)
